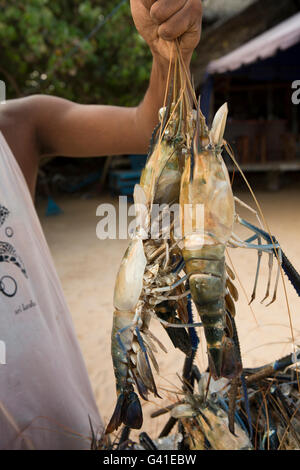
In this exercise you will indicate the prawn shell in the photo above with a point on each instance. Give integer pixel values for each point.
(218, 125)
(230, 272)
(230, 304)
(218, 434)
(232, 289)
(129, 282)
(182, 411)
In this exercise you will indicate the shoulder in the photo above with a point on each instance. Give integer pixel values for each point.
(29, 109)
(17, 118)
(17, 113)
(30, 116)
(17, 123)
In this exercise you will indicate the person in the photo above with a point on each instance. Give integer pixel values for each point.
(46, 400)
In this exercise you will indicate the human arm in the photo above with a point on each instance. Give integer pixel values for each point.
(67, 128)
(46, 125)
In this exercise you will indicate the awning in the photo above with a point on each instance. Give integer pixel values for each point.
(281, 37)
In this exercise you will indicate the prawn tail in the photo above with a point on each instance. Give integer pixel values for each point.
(128, 411)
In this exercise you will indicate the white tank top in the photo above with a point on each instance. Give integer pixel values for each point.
(45, 394)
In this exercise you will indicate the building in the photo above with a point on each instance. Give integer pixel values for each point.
(251, 59)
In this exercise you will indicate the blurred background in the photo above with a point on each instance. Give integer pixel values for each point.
(89, 51)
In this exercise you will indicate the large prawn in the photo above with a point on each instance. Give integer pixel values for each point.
(205, 185)
(148, 281)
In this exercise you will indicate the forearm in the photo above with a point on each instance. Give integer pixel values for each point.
(65, 128)
(147, 112)
(70, 129)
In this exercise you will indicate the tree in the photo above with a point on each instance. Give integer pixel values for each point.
(45, 49)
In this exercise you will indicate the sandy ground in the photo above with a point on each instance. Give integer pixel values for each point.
(87, 268)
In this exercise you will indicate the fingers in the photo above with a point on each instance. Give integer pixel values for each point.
(162, 10)
(175, 27)
(148, 3)
(176, 17)
(162, 21)
(187, 21)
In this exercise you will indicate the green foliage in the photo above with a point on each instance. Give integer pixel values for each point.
(38, 40)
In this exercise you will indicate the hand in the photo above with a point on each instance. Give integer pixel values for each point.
(162, 21)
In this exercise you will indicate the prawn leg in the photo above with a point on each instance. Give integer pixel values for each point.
(273, 249)
(259, 255)
(167, 315)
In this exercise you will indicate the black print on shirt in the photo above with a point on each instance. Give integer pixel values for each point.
(9, 232)
(3, 214)
(24, 307)
(9, 255)
(8, 286)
